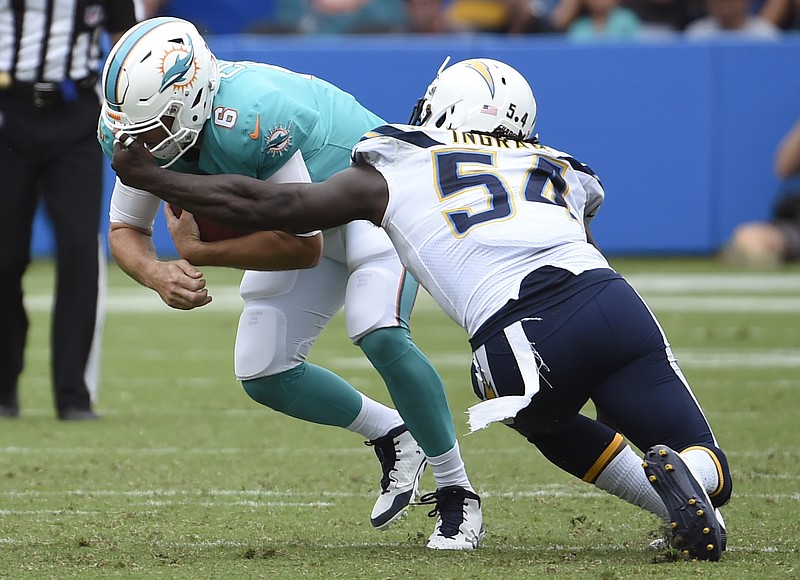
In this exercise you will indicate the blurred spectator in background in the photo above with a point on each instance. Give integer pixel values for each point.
(731, 17)
(665, 17)
(605, 19)
(477, 15)
(529, 16)
(425, 17)
(767, 244)
(345, 16)
(500, 16)
(562, 13)
(784, 14)
(656, 17)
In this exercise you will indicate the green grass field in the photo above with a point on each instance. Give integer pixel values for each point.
(185, 477)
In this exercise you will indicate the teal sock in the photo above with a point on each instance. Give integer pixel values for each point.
(308, 392)
(416, 388)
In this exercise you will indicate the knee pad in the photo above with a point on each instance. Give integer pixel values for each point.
(284, 313)
(260, 343)
(261, 335)
(374, 299)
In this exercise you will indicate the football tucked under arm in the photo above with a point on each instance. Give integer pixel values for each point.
(210, 231)
(294, 170)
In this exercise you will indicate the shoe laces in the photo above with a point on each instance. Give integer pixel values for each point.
(449, 506)
(386, 451)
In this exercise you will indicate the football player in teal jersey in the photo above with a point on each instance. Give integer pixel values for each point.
(495, 225)
(198, 115)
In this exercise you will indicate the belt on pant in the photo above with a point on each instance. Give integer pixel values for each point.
(46, 94)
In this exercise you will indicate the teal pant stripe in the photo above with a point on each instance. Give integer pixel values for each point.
(409, 289)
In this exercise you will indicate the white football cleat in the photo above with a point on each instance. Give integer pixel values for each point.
(403, 462)
(459, 525)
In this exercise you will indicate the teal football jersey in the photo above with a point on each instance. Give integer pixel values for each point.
(263, 114)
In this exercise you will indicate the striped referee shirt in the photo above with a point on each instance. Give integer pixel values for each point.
(55, 40)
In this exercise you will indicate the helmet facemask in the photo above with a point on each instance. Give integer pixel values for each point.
(177, 140)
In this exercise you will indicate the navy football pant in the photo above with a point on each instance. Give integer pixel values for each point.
(603, 344)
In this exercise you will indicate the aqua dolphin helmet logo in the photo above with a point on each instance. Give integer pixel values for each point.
(177, 73)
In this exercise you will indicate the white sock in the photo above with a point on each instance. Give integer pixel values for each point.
(448, 469)
(374, 419)
(702, 465)
(624, 477)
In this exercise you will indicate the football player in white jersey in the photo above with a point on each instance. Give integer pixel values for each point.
(269, 123)
(495, 226)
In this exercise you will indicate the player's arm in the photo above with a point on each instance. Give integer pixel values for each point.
(178, 283)
(236, 201)
(272, 250)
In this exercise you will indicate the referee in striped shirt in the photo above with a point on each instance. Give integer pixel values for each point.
(50, 54)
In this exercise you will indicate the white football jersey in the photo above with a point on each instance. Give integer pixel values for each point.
(471, 215)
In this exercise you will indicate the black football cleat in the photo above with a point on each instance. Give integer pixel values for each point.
(695, 529)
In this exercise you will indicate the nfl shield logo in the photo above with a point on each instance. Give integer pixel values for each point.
(94, 15)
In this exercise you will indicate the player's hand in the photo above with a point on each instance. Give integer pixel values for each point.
(133, 163)
(180, 285)
(185, 233)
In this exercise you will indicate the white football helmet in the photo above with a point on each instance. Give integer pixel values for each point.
(478, 94)
(160, 68)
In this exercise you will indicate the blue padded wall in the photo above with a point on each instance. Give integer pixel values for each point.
(682, 133)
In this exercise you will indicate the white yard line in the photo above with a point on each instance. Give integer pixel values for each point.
(687, 357)
(658, 288)
(715, 303)
(153, 499)
(292, 498)
(729, 282)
